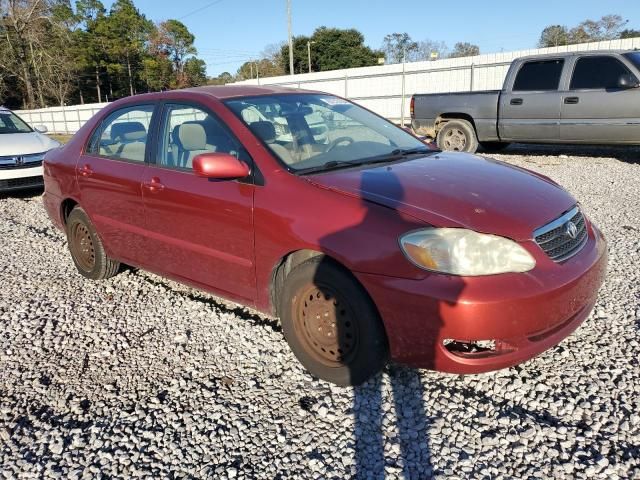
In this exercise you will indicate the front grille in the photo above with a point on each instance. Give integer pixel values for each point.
(21, 161)
(25, 182)
(554, 237)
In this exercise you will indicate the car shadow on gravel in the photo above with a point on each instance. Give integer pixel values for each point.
(627, 154)
(382, 451)
(24, 194)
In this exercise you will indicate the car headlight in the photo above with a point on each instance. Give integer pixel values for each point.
(458, 251)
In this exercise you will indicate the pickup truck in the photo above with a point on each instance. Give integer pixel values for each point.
(572, 97)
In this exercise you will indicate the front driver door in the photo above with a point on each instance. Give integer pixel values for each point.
(530, 107)
(198, 229)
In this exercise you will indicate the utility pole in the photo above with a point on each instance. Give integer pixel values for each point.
(290, 38)
(309, 42)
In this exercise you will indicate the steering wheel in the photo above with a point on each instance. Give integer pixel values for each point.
(337, 142)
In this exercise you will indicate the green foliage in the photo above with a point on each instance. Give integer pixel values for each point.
(55, 52)
(399, 47)
(331, 49)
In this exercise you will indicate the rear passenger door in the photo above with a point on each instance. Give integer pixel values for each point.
(595, 109)
(198, 229)
(530, 107)
(109, 175)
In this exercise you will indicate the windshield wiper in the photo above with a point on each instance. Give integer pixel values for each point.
(411, 151)
(394, 155)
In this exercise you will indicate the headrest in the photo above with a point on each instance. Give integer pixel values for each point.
(264, 130)
(192, 136)
(128, 131)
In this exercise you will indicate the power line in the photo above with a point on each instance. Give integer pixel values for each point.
(211, 4)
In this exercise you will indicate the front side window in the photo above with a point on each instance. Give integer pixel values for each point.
(11, 123)
(307, 131)
(597, 72)
(189, 131)
(123, 134)
(542, 75)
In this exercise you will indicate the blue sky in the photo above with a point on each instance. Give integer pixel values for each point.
(229, 32)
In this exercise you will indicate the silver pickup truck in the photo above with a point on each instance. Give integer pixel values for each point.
(574, 97)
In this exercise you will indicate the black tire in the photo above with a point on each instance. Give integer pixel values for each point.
(494, 146)
(86, 248)
(457, 136)
(331, 324)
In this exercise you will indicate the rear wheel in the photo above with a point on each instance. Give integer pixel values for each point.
(457, 136)
(331, 324)
(494, 146)
(86, 248)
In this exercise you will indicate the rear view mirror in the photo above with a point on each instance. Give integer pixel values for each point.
(628, 80)
(41, 128)
(220, 166)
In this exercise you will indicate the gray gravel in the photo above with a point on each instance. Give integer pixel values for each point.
(138, 376)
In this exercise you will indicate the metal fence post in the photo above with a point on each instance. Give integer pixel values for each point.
(64, 117)
(403, 95)
(346, 82)
(472, 72)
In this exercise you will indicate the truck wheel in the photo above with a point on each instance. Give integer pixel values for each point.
(86, 248)
(331, 324)
(494, 146)
(457, 136)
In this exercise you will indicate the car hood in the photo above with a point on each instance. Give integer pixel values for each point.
(457, 190)
(25, 143)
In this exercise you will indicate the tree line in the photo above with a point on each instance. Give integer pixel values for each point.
(53, 52)
(608, 27)
(333, 49)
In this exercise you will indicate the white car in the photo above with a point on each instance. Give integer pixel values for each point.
(22, 150)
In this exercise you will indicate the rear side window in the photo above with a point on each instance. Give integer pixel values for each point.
(123, 134)
(539, 75)
(599, 72)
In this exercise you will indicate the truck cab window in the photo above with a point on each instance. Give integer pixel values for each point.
(538, 75)
(597, 72)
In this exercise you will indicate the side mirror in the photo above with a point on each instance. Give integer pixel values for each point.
(628, 80)
(220, 166)
(40, 128)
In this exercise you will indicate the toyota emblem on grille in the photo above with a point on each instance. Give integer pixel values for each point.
(570, 230)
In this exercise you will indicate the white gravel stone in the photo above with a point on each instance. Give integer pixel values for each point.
(138, 376)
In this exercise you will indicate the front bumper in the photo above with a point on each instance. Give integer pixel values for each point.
(21, 178)
(522, 314)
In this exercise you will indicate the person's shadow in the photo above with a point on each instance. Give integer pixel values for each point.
(382, 449)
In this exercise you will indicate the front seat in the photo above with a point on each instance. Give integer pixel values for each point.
(129, 140)
(193, 142)
(266, 131)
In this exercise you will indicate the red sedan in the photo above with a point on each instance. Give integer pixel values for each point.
(366, 243)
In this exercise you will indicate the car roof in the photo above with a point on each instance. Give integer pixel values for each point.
(574, 53)
(233, 91)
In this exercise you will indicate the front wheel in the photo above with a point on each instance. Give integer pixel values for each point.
(331, 324)
(457, 136)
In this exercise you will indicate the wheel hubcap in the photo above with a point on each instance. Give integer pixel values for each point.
(83, 247)
(326, 325)
(455, 140)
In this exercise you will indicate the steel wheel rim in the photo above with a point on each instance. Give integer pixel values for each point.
(327, 326)
(455, 140)
(83, 248)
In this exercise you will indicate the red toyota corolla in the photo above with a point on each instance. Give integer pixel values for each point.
(366, 243)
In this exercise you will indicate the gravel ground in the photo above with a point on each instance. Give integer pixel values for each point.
(138, 376)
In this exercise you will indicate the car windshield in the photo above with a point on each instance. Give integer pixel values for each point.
(311, 132)
(11, 123)
(633, 57)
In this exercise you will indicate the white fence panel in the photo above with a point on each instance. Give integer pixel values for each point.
(379, 88)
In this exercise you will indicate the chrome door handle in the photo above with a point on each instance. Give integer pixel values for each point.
(154, 186)
(85, 171)
(571, 100)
